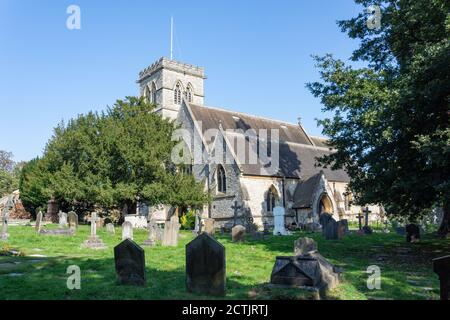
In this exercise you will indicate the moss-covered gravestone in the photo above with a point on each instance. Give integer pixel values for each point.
(130, 263)
(205, 266)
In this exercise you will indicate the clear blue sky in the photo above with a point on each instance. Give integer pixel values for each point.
(256, 54)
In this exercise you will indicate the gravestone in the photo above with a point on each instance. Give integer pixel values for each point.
(38, 225)
(304, 246)
(313, 227)
(412, 233)
(73, 220)
(5, 218)
(441, 266)
(151, 240)
(238, 233)
(94, 242)
(324, 219)
(197, 227)
(62, 219)
(330, 231)
(279, 223)
(342, 228)
(130, 263)
(205, 266)
(171, 228)
(127, 230)
(209, 226)
(110, 228)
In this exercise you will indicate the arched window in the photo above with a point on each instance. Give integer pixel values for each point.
(147, 94)
(153, 93)
(177, 94)
(272, 198)
(221, 180)
(188, 94)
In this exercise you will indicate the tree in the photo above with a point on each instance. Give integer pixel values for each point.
(9, 173)
(6, 161)
(110, 159)
(390, 121)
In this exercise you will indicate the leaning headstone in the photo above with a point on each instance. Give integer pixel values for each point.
(151, 240)
(62, 219)
(412, 233)
(330, 231)
(279, 227)
(171, 228)
(127, 230)
(72, 217)
(94, 242)
(304, 246)
(209, 226)
(205, 266)
(441, 266)
(238, 233)
(38, 225)
(130, 263)
(110, 228)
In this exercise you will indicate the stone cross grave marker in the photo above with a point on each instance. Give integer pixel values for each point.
(130, 263)
(238, 233)
(236, 209)
(127, 230)
(360, 217)
(73, 220)
(171, 228)
(205, 266)
(94, 242)
(366, 228)
(279, 228)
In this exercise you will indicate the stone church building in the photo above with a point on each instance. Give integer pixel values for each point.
(244, 189)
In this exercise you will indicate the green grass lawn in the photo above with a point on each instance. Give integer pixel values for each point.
(406, 269)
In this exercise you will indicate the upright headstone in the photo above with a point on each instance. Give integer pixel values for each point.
(127, 230)
(171, 228)
(52, 211)
(441, 266)
(279, 222)
(73, 220)
(197, 227)
(412, 233)
(205, 266)
(38, 225)
(324, 219)
(209, 226)
(130, 263)
(5, 218)
(330, 232)
(151, 240)
(110, 228)
(94, 242)
(238, 233)
(62, 219)
(304, 246)
(342, 228)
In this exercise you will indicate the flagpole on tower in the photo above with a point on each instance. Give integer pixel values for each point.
(171, 38)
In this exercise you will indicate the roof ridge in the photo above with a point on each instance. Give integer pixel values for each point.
(246, 114)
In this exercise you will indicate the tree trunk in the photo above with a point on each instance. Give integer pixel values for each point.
(444, 229)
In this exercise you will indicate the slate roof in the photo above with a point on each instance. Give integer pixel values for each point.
(304, 192)
(297, 152)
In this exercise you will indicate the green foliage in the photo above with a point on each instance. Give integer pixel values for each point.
(391, 118)
(188, 220)
(110, 159)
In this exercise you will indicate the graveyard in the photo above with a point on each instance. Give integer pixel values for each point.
(37, 269)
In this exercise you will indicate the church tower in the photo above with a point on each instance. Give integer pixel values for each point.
(167, 82)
